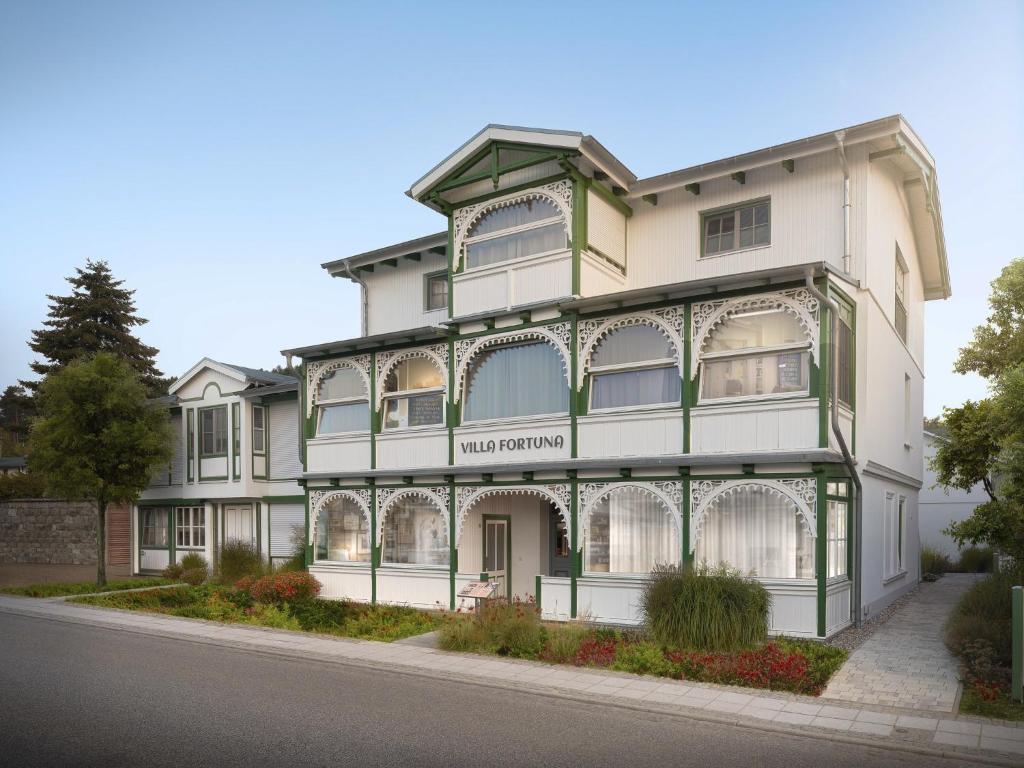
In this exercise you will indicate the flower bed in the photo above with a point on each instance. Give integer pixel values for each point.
(82, 587)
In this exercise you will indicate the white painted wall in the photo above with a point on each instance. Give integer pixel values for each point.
(529, 534)
(940, 506)
(396, 295)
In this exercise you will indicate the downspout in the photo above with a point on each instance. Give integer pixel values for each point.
(841, 149)
(858, 506)
(362, 290)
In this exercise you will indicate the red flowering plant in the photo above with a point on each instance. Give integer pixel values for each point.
(285, 587)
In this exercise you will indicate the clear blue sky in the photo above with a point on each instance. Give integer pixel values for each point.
(215, 153)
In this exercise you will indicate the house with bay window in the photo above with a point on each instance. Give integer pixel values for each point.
(585, 374)
(235, 471)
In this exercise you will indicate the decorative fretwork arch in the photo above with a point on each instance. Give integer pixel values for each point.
(668, 321)
(802, 493)
(386, 362)
(318, 500)
(669, 493)
(709, 314)
(558, 193)
(316, 372)
(387, 497)
(557, 335)
(466, 498)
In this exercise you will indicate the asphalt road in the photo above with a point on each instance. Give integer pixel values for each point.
(74, 695)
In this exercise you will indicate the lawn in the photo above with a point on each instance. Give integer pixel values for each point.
(82, 587)
(237, 606)
(999, 706)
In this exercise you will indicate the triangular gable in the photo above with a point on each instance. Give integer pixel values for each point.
(206, 364)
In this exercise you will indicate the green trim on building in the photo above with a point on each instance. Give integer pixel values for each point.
(821, 549)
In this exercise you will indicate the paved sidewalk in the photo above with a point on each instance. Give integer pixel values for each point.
(982, 740)
(905, 662)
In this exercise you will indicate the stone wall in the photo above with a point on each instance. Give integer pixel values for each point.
(46, 531)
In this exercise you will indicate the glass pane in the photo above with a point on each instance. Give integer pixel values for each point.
(415, 533)
(713, 225)
(746, 217)
(761, 213)
(414, 373)
(761, 235)
(728, 223)
(419, 411)
(746, 238)
(756, 532)
(761, 375)
(711, 246)
(515, 215)
(632, 344)
(344, 382)
(351, 417)
(342, 533)
(437, 292)
(517, 246)
(757, 328)
(499, 547)
(521, 380)
(644, 387)
(630, 532)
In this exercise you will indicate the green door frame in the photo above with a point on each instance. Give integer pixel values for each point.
(508, 548)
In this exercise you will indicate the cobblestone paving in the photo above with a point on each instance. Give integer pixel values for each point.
(905, 663)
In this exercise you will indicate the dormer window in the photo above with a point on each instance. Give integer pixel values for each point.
(514, 231)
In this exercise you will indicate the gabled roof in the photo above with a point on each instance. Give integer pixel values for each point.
(410, 249)
(246, 377)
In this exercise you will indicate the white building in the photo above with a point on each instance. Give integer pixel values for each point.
(941, 506)
(586, 374)
(235, 470)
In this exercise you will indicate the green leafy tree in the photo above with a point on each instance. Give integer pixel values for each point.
(16, 411)
(986, 438)
(98, 437)
(98, 316)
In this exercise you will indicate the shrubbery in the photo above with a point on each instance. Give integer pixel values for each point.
(935, 561)
(239, 559)
(281, 587)
(505, 627)
(977, 560)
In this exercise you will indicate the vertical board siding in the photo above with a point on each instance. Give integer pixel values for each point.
(284, 441)
(607, 228)
(178, 459)
(396, 299)
(505, 181)
(287, 521)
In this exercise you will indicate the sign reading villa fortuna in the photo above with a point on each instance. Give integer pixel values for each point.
(512, 444)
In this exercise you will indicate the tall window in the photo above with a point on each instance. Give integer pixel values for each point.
(632, 366)
(342, 403)
(259, 429)
(744, 227)
(189, 527)
(901, 295)
(515, 231)
(342, 533)
(758, 532)
(414, 395)
(846, 352)
(516, 380)
(435, 291)
(630, 532)
(213, 425)
(154, 527)
(837, 504)
(893, 535)
(754, 353)
(415, 533)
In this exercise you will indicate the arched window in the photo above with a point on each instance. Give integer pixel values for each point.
(634, 365)
(415, 533)
(758, 532)
(342, 403)
(413, 395)
(754, 353)
(514, 231)
(342, 533)
(630, 532)
(516, 380)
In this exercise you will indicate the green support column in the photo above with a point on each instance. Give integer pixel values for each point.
(453, 552)
(374, 554)
(824, 375)
(821, 547)
(575, 562)
(573, 393)
(374, 415)
(687, 373)
(685, 517)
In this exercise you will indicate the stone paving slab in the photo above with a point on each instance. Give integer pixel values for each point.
(984, 741)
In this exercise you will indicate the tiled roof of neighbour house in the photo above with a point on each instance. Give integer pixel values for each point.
(261, 376)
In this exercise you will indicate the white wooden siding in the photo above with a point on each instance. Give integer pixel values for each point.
(597, 277)
(285, 520)
(338, 454)
(515, 283)
(767, 426)
(285, 463)
(607, 228)
(413, 449)
(467, 436)
(505, 181)
(344, 582)
(640, 433)
(428, 589)
(396, 295)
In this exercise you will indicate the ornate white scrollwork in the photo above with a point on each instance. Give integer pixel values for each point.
(439, 495)
(386, 362)
(317, 370)
(558, 192)
(669, 321)
(558, 335)
(466, 498)
(801, 492)
(708, 314)
(320, 499)
(669, 493)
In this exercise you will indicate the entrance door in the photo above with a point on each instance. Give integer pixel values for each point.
(154, 541)
(239, 524)
(558, 541)
(498, 552)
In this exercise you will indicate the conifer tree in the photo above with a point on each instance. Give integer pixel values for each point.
(98, 316)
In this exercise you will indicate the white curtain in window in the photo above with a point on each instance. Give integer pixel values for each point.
(342, 533)
(351, 417)
(628, 388)
(519, 380)
(632, 346)
(757, 532)
(519, 243)
(630, 532)
(415, 533)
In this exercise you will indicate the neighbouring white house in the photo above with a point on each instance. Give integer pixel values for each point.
(585, 374)
(941, 506)
(235, 471)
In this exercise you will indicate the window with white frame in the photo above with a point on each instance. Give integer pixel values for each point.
(893, 535)
(759, 532)
(755, 353)
(900, 312)
(747, 226)
(413, 395)
(154, 527)
(342, 533)
(342, 403)
(213, 431)
(415, 533)
(837, 507)
(189, 527)
(630, 532)
(435, 291)
(516, 230)
(259, 430)
(524, 379)
(634, 366)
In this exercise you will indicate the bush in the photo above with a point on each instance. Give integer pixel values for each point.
(194, 569)
(935, 561)
(505, 627)
(643, 658)
(285, 587)
(977, 560)
(238, 559)
(173, 571)
(563, 642)
(983, 614)
(704, 609)
(22, 485)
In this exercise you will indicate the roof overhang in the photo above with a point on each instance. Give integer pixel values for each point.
(203, 364)
(425, 333)
(391, 255)
(273, 389)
